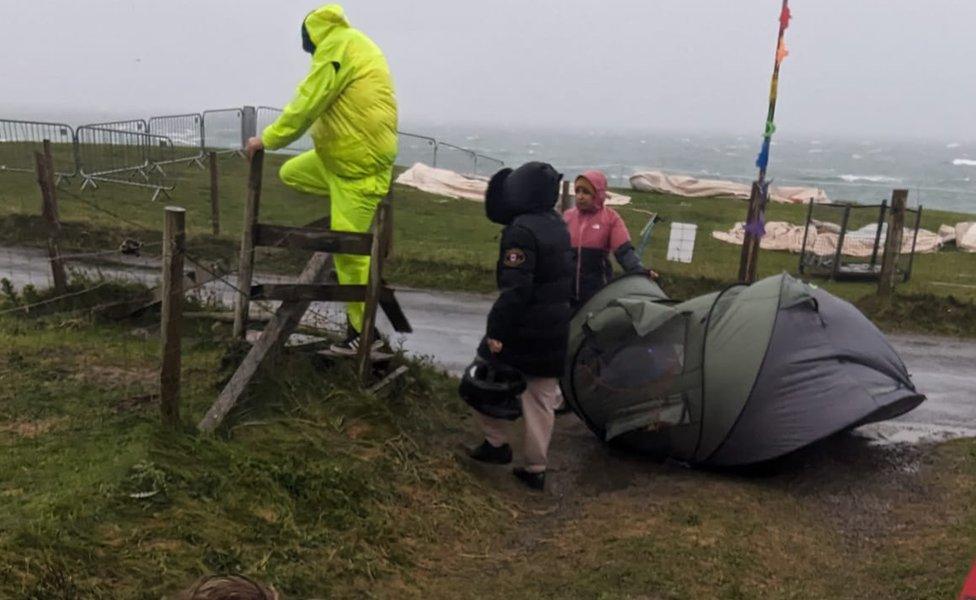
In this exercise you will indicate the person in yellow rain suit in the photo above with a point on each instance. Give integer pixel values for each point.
(348, 105)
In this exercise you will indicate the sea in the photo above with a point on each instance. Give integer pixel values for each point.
(939, 174)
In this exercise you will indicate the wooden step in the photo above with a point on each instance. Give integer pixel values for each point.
(314, 239)
(328, 292)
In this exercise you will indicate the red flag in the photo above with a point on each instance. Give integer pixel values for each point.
(784, 17)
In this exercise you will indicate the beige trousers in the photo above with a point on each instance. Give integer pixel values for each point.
(539, 402)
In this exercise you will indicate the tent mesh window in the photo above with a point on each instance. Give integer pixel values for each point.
(644, 371)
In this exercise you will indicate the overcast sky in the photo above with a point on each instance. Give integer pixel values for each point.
(857, 67)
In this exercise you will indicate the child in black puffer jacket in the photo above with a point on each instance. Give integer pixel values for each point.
(528, 326)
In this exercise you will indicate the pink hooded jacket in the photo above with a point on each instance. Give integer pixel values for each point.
(601, 228)
(594, 235)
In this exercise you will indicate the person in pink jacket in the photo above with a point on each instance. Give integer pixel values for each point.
(596, 232)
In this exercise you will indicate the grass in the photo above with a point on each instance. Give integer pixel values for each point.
(325, 491)
(317, 487)
(440, 243)
(328, 492)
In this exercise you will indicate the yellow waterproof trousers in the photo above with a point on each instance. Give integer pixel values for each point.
(352, 205)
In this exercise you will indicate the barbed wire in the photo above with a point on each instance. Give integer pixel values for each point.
(266, 307)
(95, 206)
(138, 246)
(119, 250)
(28, 307)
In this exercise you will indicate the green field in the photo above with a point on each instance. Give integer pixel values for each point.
(448, 244)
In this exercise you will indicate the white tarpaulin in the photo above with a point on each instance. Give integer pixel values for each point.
(822, 239)
(966, 236)
(692, 187)
(454, 185)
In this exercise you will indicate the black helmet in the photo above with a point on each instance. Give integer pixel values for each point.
(493, 389)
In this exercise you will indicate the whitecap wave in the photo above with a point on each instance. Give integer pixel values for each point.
(953, 145)
(856, 156)
(869, 178)
(959, 162)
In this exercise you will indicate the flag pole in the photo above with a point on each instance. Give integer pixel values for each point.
(759, 196)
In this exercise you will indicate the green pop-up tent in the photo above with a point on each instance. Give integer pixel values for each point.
(730, 378)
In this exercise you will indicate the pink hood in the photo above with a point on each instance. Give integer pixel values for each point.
(599, 182)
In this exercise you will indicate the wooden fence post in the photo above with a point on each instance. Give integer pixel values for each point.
(749, 259)
(839, 253)
(373, 287)
(893, 241)
(214, 194)
(567, 199)
(246, 263)
(44, 164)
(174, 248)
(882, 212)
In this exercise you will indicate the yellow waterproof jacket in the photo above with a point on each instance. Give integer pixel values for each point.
(346, 100)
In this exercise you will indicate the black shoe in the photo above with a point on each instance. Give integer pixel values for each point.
(536, 481)
(350, 346)
(496, 455)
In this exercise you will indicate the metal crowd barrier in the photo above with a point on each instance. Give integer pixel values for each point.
(123, 157)
(186, 133)
(133, 125)
(20, 139)
(859, 228)
(415, 148)
(456, 158)
(266, 115)
(119, 151)
(223, 130)
(486, 165)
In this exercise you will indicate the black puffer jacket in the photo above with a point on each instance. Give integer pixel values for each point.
(534, 272)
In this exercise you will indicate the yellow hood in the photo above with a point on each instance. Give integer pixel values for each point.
(321, 22)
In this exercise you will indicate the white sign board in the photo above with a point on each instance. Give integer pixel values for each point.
(681, 247)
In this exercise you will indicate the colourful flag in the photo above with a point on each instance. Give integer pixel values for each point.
(784, 18)
(781, 52)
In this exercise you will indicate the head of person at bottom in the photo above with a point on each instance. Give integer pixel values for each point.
(229, 587)
(591, 191)
(531, 188)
